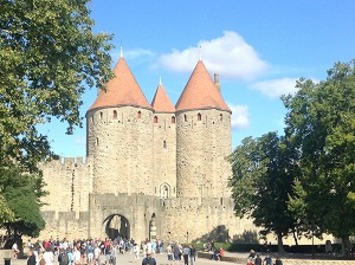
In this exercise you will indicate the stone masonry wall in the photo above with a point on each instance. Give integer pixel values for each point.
(69, 182)
(196, 219)
(203, 144)
(71, 225)
(138, 209)
(164, 177)
(120, 142)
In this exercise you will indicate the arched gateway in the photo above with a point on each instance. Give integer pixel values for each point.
(116, 225)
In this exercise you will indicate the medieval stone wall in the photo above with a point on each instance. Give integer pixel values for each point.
(176, 219)
(71, 225)
(164, 177)
(138, 209)
(120, 144)
(68, 182)
(203, 144)
(206, 219)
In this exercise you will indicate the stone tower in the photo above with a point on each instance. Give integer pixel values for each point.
(120, 136)
(164, 144)
(203, 138)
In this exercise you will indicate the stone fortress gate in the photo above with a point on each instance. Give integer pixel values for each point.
(152, 170)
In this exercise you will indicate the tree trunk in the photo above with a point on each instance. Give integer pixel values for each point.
(280, 244)
(345, 246)
(295, 237)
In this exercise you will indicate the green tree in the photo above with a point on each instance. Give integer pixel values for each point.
(5, 212)
(321, 123)
(49, 54)
(22, 193)
(263, 173)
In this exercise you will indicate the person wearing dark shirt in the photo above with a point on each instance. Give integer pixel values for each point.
(31, 260)
(268, 260)
(258, 260)
(278, 261)
(149, 260)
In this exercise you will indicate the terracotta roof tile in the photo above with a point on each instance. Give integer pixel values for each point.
(121, 90)
(200, 92)
(161, 101)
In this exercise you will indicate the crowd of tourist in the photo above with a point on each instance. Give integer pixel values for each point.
(104, 252)
(255, 259)
(76, 252)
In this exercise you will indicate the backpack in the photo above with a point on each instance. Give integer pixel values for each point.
(63, 258)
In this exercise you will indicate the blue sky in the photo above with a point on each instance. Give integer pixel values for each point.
(259, 49)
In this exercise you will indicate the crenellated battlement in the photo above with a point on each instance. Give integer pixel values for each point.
(68, 162)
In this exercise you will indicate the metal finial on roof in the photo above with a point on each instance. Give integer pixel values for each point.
(200, 53)
(121, 52)
(160, 83)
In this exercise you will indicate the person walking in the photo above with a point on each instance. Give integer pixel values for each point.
(169, 251)
(31, 260)
(192, 255)
(186, 254)
(267, 260)
(258, 260)
(278, 261)
(149, 260)
(113, 254)
(15, 250)
(48, 256)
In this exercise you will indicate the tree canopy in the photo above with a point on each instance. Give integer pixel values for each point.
(321, 123)
(49, 54)
(22, 193)
(263, 172)
(306, 176)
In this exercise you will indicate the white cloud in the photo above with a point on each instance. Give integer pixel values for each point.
(276, 87)
(229, 55)
(240, 116)
(138, 53)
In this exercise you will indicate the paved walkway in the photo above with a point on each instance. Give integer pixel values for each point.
(128, 259)
(239, 259)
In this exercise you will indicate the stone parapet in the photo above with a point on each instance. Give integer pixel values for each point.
(5, 254)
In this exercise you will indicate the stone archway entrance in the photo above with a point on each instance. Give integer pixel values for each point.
(116, 225)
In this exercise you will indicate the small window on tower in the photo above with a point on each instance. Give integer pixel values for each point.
(101, 115)
(97, 141)
(164, 144)
(155, 119)
(199, 116)
(139, 114)
(185, 117)
(173, 119)
(115, 114)
(220, 117)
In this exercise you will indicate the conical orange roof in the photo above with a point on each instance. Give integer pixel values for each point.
(200, 92)
(161, 101)
(121, 90)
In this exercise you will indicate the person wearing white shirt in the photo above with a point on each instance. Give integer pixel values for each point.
(48, 257)
(76, 255)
